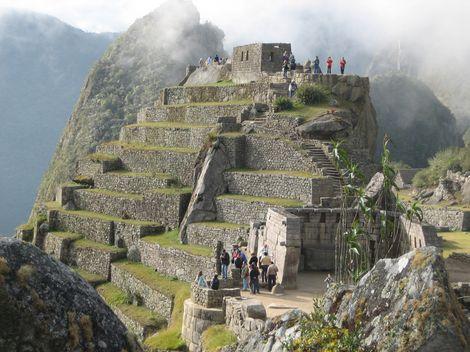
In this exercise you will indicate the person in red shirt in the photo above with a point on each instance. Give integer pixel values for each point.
(342, 65)
(329, 64)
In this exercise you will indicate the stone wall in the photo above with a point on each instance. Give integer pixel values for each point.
(240, 212)
(120, 182)
(94, 229)
(197, 319)
(419, 234)
(141, 331)
(210, 236)
(209, 298)
(127, 234)
(453, 219)
(258, 92)
(57, 247)
(151, 298)
(178, 164)
(244, 316)
(175, 262)
(193, 137)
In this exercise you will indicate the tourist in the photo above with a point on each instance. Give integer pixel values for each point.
(272, 275)
(201, 62)
(263, 250)
(329, 64)
(245, 274)
(243, 256)
(200, 280)
(209, 60)
(253, 259)
(285, 68)
(264, 263)
(292, 63)
(285, 56)
(328, 281)
(238, 261)
(224, 263)
(316, 65)
(254, 279)
(216, 59)
(308, 66)
(215, 282)
(342, 65)
(292, 88)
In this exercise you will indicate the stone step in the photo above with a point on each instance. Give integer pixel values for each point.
(210, 233)
(133, 182)
(178, 162)
(242, 209)
(141, 321)
(166, 205)
(209, 113)
(169, 256)
(303, 186)
(97, 163)
(100, 227)
(155, 291)
(169, 134)
(94, 257)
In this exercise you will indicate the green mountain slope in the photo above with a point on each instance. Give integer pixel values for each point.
(152, 54)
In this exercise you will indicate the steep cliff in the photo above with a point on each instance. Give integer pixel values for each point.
(153, 53)
(418, 123)
(43, 64)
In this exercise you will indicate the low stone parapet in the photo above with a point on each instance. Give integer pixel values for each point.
(210, 298)
(196, 319)
(454, 219)
(57, 245)
(244, 316)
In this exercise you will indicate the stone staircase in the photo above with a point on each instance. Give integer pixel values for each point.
(119, 223)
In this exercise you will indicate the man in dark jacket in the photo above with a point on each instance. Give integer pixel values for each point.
(224, 263)
(215, 282)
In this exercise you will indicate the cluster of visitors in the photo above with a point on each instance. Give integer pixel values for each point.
(251, 269)
(288, 63)
(329, 65)
(216, 60)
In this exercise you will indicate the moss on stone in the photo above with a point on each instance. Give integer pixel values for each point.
(84, 243)
(217, 336)
(106, 192)
(26, 227)
(117, 298)
(282, 202)
(171, 240)
(99, 157)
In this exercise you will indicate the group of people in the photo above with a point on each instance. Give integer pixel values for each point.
(289, 64)
(217, 60)
(250, 270)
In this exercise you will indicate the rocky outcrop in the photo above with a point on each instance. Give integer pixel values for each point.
(404, 304)
(47, 307)
(335, 125)
(209, 74)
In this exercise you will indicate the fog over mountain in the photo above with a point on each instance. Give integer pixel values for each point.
(43, 63)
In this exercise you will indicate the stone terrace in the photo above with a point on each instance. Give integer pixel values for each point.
(119, 221)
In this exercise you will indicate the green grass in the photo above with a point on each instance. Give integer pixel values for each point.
(170, 338)
(26, 227)
(125, 173)
(141, 146)
(117, 298)
(84, 243)
(98, 216)
(216, 103)
(455, 242)
(173, 191)
(89, 277)
(231, 134)
(302, 174)
(282, 202)
(98, 157)
(171, 240)
(222, 225)
(67, 235)
(169, 124)
(217, 336)
(107, 192)
(306, 112)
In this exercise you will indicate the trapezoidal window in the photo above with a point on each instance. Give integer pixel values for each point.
(322, 218)
(243, 53)
(271, 56)
(246, 57)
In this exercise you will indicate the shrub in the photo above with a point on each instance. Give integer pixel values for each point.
(311, 94)
(283, 103)
(216, 337)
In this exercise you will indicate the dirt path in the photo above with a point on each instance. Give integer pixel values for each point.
(310, 285)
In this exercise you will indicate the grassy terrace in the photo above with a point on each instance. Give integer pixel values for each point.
(170, 338)
(172, 191)
(84, 243)
(217, 336)
(91, 278)
(169, 124)
(126, 173)
(282, 202)
(98, 216)
(171, 240)
(215, 103)
(97, 157)
(302, 174)
(141, 146)
(67, 235)
(222, 225)
(117, 298)
(105, 192)
(455, 242)
(306, 112)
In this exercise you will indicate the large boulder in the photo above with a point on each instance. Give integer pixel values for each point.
(331, 125)
(46, 307)
(466, 191)
(404, 304)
